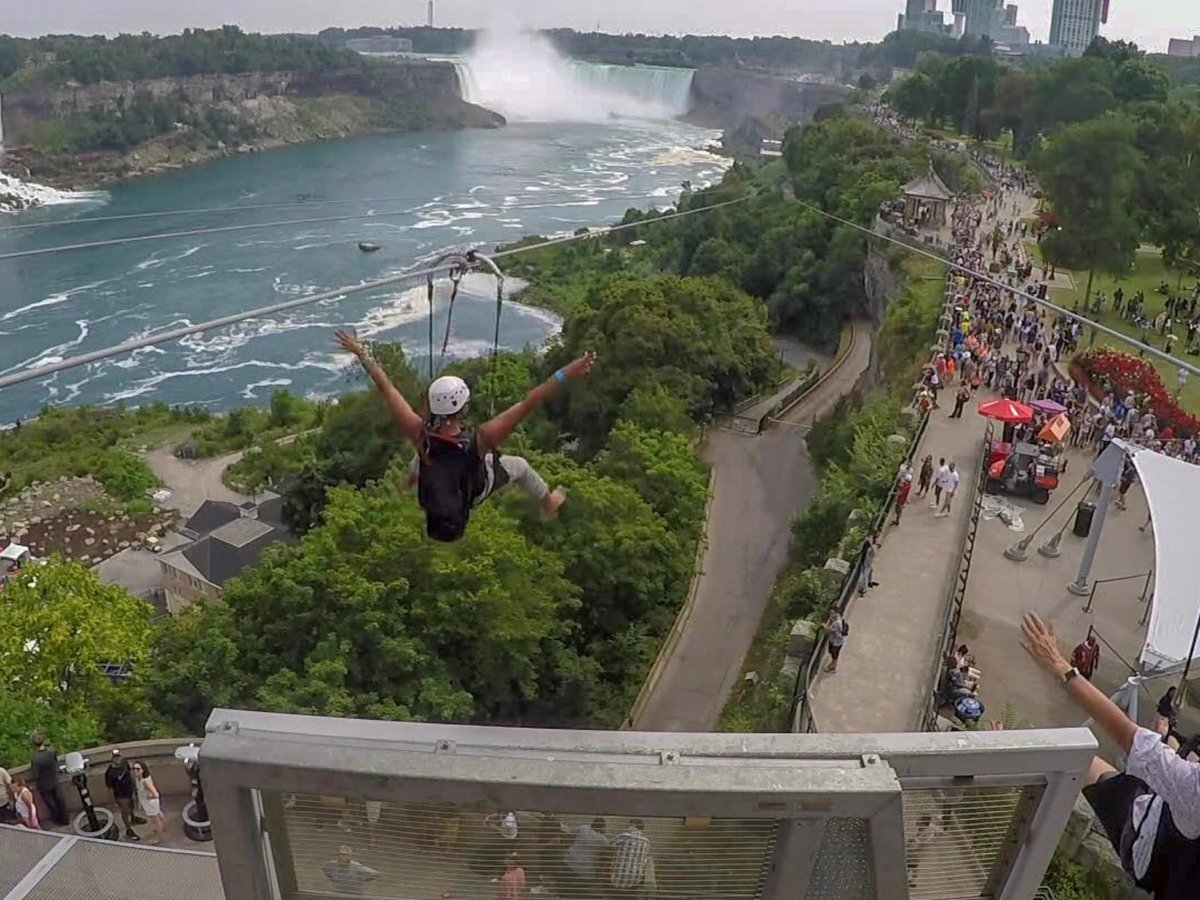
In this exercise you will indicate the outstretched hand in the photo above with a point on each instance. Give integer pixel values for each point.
(1040, 642)
(580, 367)
(349, 341)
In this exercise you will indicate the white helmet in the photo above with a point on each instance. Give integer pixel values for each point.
(448, 395)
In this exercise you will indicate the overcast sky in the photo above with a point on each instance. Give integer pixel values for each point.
(1149, 22)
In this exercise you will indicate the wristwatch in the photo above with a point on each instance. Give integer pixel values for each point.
(1065, 678)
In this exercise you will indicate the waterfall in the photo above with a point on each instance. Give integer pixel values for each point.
(521, 76)
(16, 195)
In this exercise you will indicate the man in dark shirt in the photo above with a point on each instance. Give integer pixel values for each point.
(118, 777)
(43, 769)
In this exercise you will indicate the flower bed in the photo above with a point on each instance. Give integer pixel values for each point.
(1120, 373)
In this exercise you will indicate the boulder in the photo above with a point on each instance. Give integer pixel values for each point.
(88, 542)
(803, 638)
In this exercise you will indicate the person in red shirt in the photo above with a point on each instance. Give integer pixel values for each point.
(1086, 657)
(512, 882)
(903, 488)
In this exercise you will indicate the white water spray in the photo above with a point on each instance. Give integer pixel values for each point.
(16, 195)
(521, 76)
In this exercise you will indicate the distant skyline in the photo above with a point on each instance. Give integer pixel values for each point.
(1151, 23)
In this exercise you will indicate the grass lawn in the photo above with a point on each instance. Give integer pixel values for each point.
(1148, 272)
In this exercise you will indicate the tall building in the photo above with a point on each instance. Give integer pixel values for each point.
(1074, 24)
(923, 15)
(992, 19)
(1184, 47)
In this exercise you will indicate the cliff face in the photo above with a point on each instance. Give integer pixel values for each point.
(731, 98)
(433, 84)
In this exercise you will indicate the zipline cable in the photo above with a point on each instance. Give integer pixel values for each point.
(74, 362)
(1019, 292)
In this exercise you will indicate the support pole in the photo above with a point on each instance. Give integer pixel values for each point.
(1106, 468)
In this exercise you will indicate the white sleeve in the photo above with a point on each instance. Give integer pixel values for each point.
(1175, 779)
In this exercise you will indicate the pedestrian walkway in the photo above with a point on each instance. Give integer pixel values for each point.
(882, 681)
(760, 482)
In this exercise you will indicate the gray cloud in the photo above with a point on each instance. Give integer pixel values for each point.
(1149, 22)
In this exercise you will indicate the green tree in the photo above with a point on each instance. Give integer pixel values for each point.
(913, 97)
(1138, 81)
(662, 467)
(287, 409)
(1090, 170)
(63, 625)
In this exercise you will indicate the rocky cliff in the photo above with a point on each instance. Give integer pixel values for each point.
(732, 98)
(275, 107)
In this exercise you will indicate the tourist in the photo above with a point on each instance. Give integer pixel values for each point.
(347, 874)
(1168, 716)
(926, 476)
(24, 805)
(903, 488)
(43, 769)
(866, 563)
(588, 845)
(631, 862)
(960, 400)
(6, 795)
(949, 487)
(1128, 474)
(119, 779)
(918, 848)
(149, 799)
(836, 628)
(939, 483)
(507, 828)
(1086, 656)
(1151, 811)
(512, 882)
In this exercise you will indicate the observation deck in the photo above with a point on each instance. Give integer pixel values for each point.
(738, 817)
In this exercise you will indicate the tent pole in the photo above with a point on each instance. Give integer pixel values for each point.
(1187, 666)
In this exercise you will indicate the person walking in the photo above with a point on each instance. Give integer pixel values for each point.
(589, 843)
(149, 799)
(960, 400)
(512, 882)
(939, 483)
(903, 488)
(347, 874)
(43, 769)
(119, 779)
(836, 628)
(948, 491)
(631, 860)
(926, 477)
(1086, 656)
(866, 563)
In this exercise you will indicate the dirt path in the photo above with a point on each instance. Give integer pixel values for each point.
(191, 482)
(759, 484)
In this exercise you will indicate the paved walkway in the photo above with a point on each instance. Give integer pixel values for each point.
(882, 679)
(760, 483)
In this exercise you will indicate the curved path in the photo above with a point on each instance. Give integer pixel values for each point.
(759, 484)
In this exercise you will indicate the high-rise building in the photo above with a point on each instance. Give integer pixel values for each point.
(1074, 24)
(1184, 47)
(923, 15)
(992, 19)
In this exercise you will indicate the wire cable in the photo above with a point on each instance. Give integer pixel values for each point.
(220, 229)
(74, 362)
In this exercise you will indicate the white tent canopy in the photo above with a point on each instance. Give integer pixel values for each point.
(1173, 493)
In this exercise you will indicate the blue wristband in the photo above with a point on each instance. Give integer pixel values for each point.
(560, 376)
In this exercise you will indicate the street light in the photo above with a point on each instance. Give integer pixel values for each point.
(195, 815)
(91, 822)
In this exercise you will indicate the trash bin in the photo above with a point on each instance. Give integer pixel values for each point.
(1084, 514)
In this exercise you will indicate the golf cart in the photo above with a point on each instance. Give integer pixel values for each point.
(1023, 470)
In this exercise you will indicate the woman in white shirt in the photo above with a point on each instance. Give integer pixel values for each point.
(148, 798)
(1151, 811)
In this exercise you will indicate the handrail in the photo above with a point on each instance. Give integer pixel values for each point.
(958, 587)
(1100, 581)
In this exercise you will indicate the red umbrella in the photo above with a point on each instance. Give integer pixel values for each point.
(1007, 411)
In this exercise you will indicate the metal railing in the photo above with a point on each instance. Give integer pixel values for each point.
(445, 810)
(1148, 576)
(958, 589)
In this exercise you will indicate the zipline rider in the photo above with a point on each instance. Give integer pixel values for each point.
(456, 468)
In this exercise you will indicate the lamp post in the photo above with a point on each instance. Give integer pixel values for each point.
(1106, 468)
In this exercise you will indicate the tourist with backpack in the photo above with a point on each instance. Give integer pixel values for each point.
(456, 467)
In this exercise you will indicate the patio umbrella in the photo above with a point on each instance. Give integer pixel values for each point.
(1006, 411)
(1056, 430)
(1050, 407)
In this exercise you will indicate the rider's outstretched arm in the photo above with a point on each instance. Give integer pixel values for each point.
(494, 433)
(409, 422)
